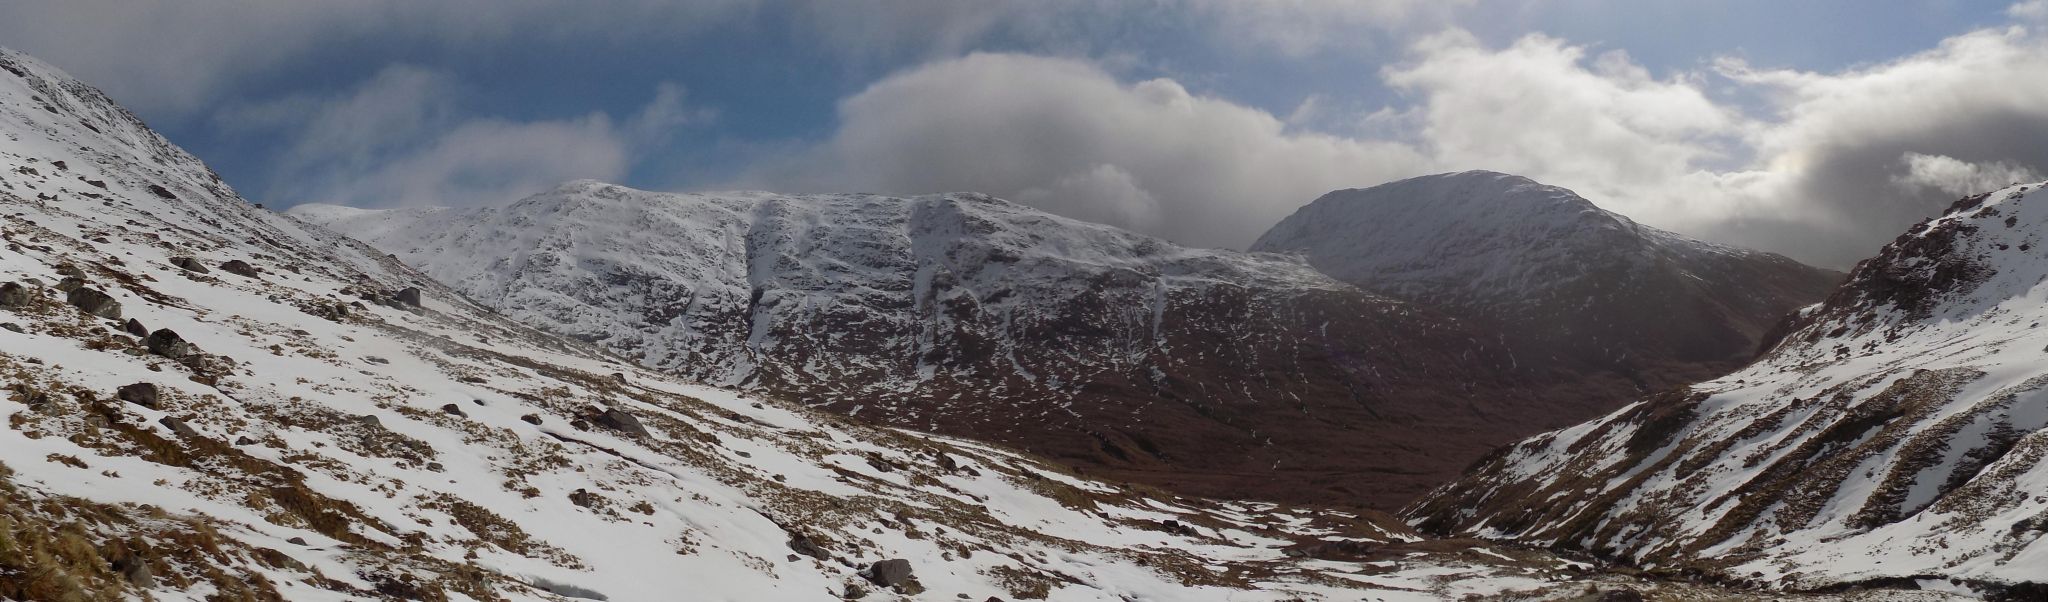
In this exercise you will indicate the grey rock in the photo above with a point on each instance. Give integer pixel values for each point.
(91, 300)
(178, 426)
(136, 570)
(454, 410)
(142, 394)
(239, 268)
(136, 328)
(190, 265)
(13, 294)
(409, 296)
(167, 343)
(890, 573)
(618, 420)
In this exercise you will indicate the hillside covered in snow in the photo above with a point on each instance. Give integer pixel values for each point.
(1555, 275)
(206, 400)
(1204, 371)
(1894, 436)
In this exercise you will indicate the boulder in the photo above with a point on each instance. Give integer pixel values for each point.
(167, 343)
(178, 426)
(618, 420)
(70, 283)
(454, 410)
(134, 569)
(142, 394)
(190, 265)
(13, 294)
(136, 328)
(239, 268)
(803, 544)
(91, 300)
(894, 572)
(409, 296)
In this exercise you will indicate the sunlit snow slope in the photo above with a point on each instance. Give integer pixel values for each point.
(1896, 434)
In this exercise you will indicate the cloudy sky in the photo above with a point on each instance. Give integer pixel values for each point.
(1819, 129)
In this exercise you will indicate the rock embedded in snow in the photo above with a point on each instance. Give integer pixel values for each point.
(239, 268)
(142, 394)
(409, 296)
(13, 294)
(619, 420)
(94, 301)
(167, 343)
(190, 265)
(893, 573)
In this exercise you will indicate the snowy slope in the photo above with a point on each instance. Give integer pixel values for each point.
(1557, 274)
(1206, 371)
(292, 427)
(1896, 434)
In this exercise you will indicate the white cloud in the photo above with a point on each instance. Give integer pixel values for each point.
(398, 139)
(1822, 166)
(1952, 176)
(177, 57)
(2030, 10)
(1068, 137)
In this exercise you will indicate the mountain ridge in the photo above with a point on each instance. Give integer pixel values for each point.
(1554, 273)
(1200, 370)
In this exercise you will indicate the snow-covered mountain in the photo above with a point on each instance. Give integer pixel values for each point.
(206, 400)
(1895, 435)
(1213, 372)
(1556, 274)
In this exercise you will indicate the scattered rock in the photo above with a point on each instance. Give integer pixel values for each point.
(142, 394)
(618, 420)
(13, 294)
(803, 544)
(893, 572)
(436, 466)
(239, 268)
(10, 326)
(297, 541)
(619, 377)
(160, 192)
(167, 343)
(584, 498)
(136, 328)
(70, 270)
(190, 265)
(855, 592)
(244, 441)
(178, 426)
(531, 418)
(454, 410)
(91, 300)
(369, 420)
(409, 296)
(376, 360)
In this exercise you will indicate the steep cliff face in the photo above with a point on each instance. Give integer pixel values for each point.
(1896, 433)
(1556, 275)
(1214, 372)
